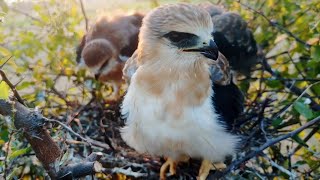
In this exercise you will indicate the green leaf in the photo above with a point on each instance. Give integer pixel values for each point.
(4, 90)
(299, 140)
(299, 163)
(277, 122)
(315, 53)
(303, 109)
(274, 83)
(24, 85)
(4, 51)
(19, 152)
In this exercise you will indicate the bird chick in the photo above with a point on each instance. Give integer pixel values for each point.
(106, 47)
(171, 106)
(234, 39)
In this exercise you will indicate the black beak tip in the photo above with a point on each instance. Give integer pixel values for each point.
(211, 51)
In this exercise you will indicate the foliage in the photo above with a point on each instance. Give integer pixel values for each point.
(41, 38)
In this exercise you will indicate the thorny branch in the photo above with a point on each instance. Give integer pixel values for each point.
(12, 87)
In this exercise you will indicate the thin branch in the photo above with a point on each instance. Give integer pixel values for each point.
(258, 151)
(84, 14)
(56, 92)
(299, 92)
(87, 140)
(12, 87)
(306, 139)
(275, 24)
(5, 62)
(82, 108)
(281, 168)
(26, 14)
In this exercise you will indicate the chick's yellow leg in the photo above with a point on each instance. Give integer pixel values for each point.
(206, 166)
(172, 168)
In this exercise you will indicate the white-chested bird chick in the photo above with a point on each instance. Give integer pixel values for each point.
(234, 39)
(180, 102)
(107, 45)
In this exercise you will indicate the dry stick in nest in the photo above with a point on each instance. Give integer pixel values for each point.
(87, 140)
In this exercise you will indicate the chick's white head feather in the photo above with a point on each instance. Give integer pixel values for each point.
(185, 18)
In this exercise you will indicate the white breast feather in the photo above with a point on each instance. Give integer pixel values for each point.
(149, 129)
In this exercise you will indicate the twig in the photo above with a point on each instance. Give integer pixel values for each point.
(55, 91)
(306, 139)
(26, 14)
(5, 62)
(281, 168)
(289, 79)
(82, 108)
(315, 106)
(301, 95)
(84, 14)
(256, 152)
(129, 172)
(12, 87)
(275, 24)
(87, 140)
(279, 54)
(7, 153)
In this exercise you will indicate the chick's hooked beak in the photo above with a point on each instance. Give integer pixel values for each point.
(211, 51)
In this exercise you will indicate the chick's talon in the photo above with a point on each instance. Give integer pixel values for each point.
(172, 168)
(206, 166)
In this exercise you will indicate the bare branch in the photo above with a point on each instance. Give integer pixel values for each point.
(84, 15)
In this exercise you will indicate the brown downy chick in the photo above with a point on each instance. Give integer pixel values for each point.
(106, 46)
(234, 39)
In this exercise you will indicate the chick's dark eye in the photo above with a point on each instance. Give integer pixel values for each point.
(176, 37)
